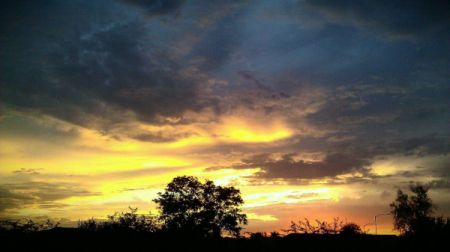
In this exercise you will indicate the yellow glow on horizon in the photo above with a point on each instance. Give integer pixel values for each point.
(289, 196)
(261, 217)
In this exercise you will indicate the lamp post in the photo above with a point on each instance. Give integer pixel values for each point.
(375, 221)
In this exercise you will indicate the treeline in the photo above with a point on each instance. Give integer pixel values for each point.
(196, 216)
(191, 208)
(131, 221)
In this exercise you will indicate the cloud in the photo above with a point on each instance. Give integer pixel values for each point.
(439, 184)
(31, 126)
(382, 119)
(160, 137)
(28, 171)
(43, 194)
(108, 71)
(157, 7)
(288, 168)
(424, 146)
(135, 173)
(10, 199)
(394, 19)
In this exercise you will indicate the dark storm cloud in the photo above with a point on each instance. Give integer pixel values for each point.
(386, 120)
(395, 19)
(22, 125)
(220, 43)
(345, 156)
(91, 65)
(424, 146)
(288, 168)
(101, 63)
(160, 137)
(157, 7)
(18, 195)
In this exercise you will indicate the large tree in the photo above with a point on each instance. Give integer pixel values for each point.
(412, 214)
(190, 206)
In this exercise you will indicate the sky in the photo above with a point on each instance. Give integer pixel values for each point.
(313, 109)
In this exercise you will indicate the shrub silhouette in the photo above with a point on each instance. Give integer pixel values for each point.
(27, 225)
(350, 229)
(204, 209)
(320, 227)
(275, 234)
(258, 236)
(124, 221)
(90, 225)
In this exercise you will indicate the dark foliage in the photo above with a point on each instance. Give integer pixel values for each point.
(124, 221)
(191, 207)
(351, 229)
(27, 225)
(413, 214)
(194, 214)
(63, 239)
(320, 227)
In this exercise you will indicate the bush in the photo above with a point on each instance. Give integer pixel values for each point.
(320, 227)
(350, 229)
(27, 225)
(124, 221)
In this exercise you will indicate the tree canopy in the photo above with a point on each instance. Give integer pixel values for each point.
(188, 205)
(412, 214)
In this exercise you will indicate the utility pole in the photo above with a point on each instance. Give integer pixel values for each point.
(375, 221)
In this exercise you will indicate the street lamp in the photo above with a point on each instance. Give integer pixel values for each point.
(375, 221)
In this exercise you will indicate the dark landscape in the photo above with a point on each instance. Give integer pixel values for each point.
(200, 216)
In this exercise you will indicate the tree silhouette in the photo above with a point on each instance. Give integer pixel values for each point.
(27, 225)
(351, 229)
(123, 221)
(130, 220)
(320, 227)
(412, 214)
(189, 206)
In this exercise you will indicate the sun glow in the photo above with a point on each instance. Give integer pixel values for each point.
(289, 196)
(234, 129)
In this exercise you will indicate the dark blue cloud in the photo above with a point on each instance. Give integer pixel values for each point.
(396, 19)
(375, 72)
(85, 62)
(157, 7)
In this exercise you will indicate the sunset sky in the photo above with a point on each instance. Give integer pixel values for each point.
(315, 109)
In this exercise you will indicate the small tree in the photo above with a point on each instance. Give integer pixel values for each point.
(412, 214)
(321, 227)
(350, 229)
(131, 221)
(187, 205)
